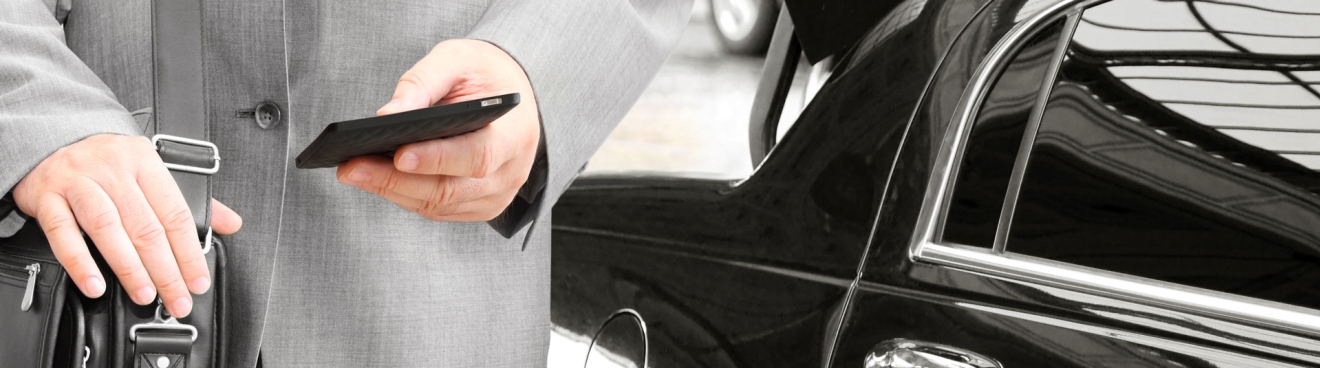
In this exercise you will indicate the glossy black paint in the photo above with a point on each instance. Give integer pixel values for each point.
(751, 274)
(807, 263)
(1120, 180)
(1162, 333)
(731, 275)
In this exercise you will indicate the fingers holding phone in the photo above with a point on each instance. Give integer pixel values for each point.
(469, 177)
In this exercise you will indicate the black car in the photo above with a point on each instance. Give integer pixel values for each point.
(1000, 183)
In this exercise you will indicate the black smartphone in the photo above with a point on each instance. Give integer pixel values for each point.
(343, 140)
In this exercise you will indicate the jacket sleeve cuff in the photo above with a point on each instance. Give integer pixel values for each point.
(588, 61)
(48, 98)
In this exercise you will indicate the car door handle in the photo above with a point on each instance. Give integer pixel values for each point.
(904, 353)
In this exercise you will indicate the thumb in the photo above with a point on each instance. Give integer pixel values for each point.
(224, 220)
(426, 83)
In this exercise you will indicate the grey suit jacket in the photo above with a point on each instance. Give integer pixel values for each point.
(323, 274)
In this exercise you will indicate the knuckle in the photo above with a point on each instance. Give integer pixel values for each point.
(60, 224)
(433, 211)
(443, 194)
(171, 284)
(127, 274)
(177, 218)
(102, 220)
(147, 232)
(390, 181)
(484, 161)
(79, 265)
(380, 191)
(196, 261)
(149, 247)
(414, 76)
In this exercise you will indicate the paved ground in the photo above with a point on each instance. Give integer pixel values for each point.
(693, 117)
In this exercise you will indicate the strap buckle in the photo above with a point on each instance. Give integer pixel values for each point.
(206, 243)
(162, 323)
(215, 153)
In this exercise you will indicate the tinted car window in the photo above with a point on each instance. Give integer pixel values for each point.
(992, 147)
(1181, 142)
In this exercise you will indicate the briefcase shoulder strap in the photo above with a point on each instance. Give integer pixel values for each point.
(180, 103)
(181, 138)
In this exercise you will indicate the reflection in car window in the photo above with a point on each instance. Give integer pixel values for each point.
(1273, 27)
(988, 160)
(1181, 142)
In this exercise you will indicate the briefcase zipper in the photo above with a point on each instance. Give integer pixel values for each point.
(13, 273)
(11, 262)
(33, 270)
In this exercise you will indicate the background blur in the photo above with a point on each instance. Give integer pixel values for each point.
(693, 118)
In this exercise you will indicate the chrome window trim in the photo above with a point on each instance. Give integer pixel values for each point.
(1040, 271)
(926, 244)
(939, 188)
(1029, 134)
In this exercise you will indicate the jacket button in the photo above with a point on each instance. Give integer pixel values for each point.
(267, 115)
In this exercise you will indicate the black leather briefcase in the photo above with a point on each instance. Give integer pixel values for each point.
(46, 322)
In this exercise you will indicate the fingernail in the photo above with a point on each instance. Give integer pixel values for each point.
(201, 284)
(95, 286)
(359, 176)
(144, 295)
(391, 106)
(408, 161)
(181, 307)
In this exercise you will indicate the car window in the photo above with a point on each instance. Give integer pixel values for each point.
(1181, 142)
(992, 147)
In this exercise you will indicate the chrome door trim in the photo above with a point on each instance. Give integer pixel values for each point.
(1040, 271)
(925, 245)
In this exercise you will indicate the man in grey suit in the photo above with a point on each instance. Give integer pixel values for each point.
(383, 272)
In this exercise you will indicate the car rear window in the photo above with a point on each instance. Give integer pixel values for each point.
(983, 176)
(1181, 142)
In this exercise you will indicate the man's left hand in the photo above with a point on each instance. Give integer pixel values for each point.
(471, 177)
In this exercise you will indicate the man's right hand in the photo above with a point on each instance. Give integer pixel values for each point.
(117, 189)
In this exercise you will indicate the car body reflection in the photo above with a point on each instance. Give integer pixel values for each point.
(1160, 144)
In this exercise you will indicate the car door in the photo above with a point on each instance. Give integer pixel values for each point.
(748, 272)
(1119, 183)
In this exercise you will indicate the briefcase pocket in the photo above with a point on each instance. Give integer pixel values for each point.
(32, 308)
(46, 322)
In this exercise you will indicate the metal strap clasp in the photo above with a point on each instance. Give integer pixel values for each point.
(215, 153)
(206, 243)
(161, 322)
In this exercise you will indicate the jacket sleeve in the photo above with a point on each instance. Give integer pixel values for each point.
(588, 61)
(48, 97)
